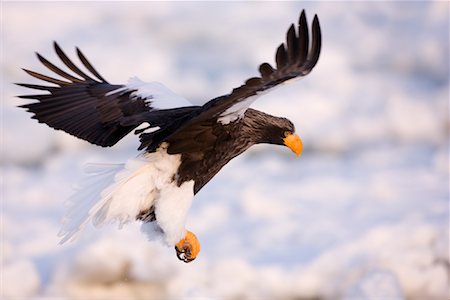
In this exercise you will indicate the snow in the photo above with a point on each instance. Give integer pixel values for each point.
(362, 214)
(376, 285)
(15, 284)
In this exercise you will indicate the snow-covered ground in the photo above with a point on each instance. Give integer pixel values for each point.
(362, 214)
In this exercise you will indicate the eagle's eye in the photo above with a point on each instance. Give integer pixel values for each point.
(287, 133)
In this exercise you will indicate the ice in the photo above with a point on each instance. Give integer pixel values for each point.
(376, 285)
(362, 214)
(22, 143)
(20, 279)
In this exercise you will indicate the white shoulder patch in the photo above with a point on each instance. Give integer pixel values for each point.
(156, 95)
(236, 111)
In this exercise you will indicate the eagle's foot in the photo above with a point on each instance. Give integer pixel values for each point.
(188, 248)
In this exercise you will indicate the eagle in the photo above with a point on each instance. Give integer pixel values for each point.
(182, 146)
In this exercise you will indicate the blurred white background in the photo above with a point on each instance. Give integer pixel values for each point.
(362, 214)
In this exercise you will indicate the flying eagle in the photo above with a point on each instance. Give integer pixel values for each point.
(183, 145)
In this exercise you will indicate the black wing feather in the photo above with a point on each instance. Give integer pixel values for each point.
(281, 57)
(303, 38)
(88, 65)
(70, 64)
(57, 70)
(84, 107)
(292, 45)
(266, 70)
(37, 87)
(46, 78)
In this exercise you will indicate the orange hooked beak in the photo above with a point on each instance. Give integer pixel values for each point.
(294, 143)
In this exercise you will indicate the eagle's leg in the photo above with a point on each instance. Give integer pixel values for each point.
(187, 248)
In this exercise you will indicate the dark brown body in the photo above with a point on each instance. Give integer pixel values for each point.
(202, 166)
(223, 143)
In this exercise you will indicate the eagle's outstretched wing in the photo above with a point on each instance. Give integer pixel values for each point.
(294, 59)
(90, 108)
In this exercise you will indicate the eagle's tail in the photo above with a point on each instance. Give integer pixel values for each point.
(104, 196)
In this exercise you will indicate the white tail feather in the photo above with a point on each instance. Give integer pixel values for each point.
(120, 192)
(109, 192)
(99, 177)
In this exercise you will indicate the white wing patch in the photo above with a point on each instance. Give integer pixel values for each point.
(237, 111)
(157, 95)
(120, 192)
(147, 127)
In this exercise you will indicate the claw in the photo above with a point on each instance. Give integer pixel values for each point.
(188, 248)
(184, 256)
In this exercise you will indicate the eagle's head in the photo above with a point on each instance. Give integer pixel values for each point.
(269, 129)
(282, 132)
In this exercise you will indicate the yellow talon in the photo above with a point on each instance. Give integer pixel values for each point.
(188, 248)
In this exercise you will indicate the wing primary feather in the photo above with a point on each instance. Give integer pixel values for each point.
(46, 78)
(292, 45)
(89, 66)
(55, 69)
(281, 57)
(60, 104)
(34, 97)
(303, 38)
(266, 70)
(316, 44)
(69, 63)
(254, 81)
(37, 87)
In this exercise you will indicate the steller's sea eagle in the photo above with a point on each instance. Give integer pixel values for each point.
(183, 145)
